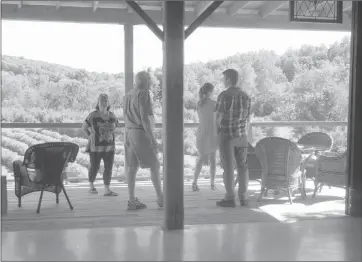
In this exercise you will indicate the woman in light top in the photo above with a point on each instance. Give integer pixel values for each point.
(206, 137)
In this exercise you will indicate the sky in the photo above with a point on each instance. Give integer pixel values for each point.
(100, 48)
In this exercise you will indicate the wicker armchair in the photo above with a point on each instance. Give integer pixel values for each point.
(280, 160)
(331, 170)
(42, 169)
(323, 142)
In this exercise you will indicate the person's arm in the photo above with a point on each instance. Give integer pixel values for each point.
(86, 125)
(219, 111)
(248, 118)
(146, 113)
(150, 114)
(116, 121)
(152, 120)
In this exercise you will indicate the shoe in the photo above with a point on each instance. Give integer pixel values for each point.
(244, 202)
(111, 193)
(195, 188)
(226, 203)
(160, 202)
(213, 187)
(93, 191)
(135, 204)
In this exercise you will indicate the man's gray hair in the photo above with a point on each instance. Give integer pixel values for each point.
(142, 77)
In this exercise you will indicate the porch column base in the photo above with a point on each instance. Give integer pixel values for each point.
(355, 203)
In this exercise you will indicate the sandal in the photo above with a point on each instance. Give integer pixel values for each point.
(160, 202)
(135, 204)
(93, 191)
(195, 187)
(111, 193)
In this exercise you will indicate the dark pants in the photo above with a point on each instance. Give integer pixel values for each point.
(95, 162)
(230, 150)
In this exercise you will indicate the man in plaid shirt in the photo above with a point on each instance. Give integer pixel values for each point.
(232, 120)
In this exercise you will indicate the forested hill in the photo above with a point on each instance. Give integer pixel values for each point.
(310, 83)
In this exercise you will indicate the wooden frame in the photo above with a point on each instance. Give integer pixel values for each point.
(337, 20)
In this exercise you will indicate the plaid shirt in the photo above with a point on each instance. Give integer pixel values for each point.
(234, 106)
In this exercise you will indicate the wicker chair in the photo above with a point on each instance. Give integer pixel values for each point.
(280, 160)
(320, 140)
(316, 139)
(331, 170)
(42, 169)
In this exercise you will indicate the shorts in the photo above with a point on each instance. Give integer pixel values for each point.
(138, 150)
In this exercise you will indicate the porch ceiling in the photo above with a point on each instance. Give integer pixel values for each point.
(238, 14)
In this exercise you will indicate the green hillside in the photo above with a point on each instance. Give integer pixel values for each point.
(305, 84)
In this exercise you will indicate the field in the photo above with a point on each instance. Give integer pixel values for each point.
(16, 141)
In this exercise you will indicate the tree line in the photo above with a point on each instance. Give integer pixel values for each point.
(310, 83)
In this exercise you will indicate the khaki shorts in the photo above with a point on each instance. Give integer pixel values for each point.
(138, 150)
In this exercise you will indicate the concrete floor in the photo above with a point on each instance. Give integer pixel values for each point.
(327, 239)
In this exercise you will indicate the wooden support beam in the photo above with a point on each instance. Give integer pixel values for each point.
(236, 6)
(95, 5)
(172, 117)
(128, 70)
(149, 22)
(269, 7)
(354, 182)
(202, 6)
(202, 17)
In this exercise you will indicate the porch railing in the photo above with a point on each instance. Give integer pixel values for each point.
(186, 125)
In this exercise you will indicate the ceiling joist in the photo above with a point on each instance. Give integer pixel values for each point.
(269, 7)
(235, 14)
(347, 5)
(236, 6)
(95, 5)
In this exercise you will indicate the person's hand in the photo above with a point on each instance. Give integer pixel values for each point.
(154, 145)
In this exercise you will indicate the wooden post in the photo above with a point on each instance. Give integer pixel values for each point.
(4, 196)
(354, 181)
(128, 71)
(173, 121)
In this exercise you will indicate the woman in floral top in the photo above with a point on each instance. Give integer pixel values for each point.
(100, 126)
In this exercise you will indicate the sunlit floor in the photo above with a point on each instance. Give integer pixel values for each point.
(329, 239)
